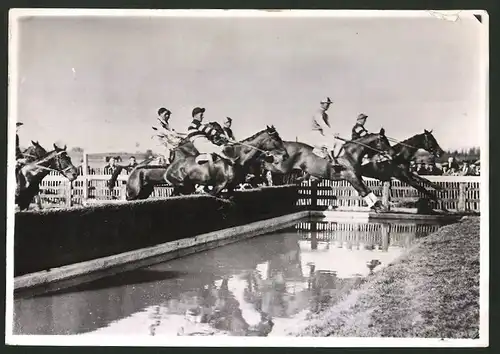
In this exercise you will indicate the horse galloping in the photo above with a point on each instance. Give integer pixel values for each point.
(302, 158)
(149, 173)
(184, 173)
(399, 166)
(31, 174)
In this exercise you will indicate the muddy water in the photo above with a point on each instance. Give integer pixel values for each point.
(259, 287)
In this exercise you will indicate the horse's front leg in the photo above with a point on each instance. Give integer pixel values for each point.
(368, 196)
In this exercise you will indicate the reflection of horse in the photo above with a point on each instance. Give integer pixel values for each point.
(303, 159)
(31, 174)
(220, 309)
(185, 173)
(399, 166)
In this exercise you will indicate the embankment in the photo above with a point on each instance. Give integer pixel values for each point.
(432, 292)
(54, 238)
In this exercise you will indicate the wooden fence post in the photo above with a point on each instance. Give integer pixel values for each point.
(386, 194)
(314, 194)
(385, 230)
(69, 194)
(462, 196)
(85, 165)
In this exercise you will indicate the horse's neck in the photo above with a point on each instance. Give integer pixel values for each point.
(407, 148)
(245, 152)
(356, 154)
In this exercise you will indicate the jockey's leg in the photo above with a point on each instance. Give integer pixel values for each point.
(219, 150)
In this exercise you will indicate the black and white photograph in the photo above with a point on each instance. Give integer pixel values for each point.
(312, 178)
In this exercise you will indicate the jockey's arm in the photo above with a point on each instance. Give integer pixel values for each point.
(326, 129)
(211, 133)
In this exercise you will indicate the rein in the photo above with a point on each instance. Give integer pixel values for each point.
(38, 164)
(362, 144)
(401, 143)
(250, 146)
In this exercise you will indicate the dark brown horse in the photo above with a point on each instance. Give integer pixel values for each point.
(184, 173)
(303, 159)
(399, 166)
(32, 153)
(31, 174)
(149, 173)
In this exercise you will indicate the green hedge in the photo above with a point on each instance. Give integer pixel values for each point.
(53, 238)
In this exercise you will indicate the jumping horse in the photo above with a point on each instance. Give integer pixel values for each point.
(35, 171)
(399, 166)
(150, 172)
(302, 158)
(185, 172)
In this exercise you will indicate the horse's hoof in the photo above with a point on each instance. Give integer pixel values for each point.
(378, 207)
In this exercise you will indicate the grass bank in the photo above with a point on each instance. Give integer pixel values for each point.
(431, 292)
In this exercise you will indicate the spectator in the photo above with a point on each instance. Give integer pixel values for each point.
(420, 169)
(132, 163)
(464, 170)
(90, 171)
(110, 167)
(472, 170)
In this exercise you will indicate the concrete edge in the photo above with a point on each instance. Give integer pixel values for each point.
(70, 275)
(368, 215)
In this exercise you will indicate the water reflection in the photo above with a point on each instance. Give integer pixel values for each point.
(258, 287)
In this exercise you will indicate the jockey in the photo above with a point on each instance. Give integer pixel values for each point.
(20, 162)
(322, 135)
(20, 158)
(359, 131)
(227, 128)
(168, 137)
(201, 135)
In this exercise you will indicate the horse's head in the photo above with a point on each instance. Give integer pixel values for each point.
(62, 163)
(272, 143)
(429, 143)
(35, 151)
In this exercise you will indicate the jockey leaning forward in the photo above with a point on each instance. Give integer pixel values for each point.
(202, 136)
(322, 137)
(359, 130)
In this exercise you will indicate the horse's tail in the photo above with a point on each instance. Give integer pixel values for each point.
(114, 176)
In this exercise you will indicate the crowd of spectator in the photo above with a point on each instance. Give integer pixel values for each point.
(452, 167)
(110, 167)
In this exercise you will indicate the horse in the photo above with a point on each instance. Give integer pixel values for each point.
(149, 173)
(32, 153)
(185, 172)
(34, 172)
(302, 158)
(399, 166)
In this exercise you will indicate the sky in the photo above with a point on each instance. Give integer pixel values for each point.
(97, 82)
